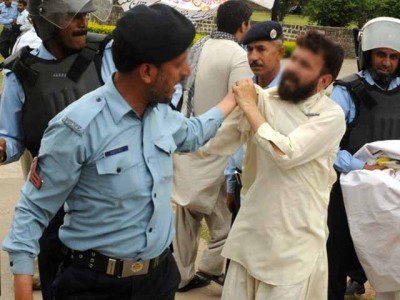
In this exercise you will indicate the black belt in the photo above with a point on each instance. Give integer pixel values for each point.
(119, 268)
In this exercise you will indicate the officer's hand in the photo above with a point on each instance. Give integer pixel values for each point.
(245, 93)
(3, 148)
(230, 201)
(23, 287)
(373, 167)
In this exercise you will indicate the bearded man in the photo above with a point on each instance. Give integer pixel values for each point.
(292, 133)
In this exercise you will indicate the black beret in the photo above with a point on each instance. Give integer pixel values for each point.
(264, 31)
(153, 34)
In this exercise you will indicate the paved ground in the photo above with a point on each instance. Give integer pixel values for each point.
(10, 184)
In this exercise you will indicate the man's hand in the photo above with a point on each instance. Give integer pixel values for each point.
(373, 167)
(245, 94)
(230, 201)
(3, 148)
(23, 287)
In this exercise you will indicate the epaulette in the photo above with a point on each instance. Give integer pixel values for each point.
(78, 115)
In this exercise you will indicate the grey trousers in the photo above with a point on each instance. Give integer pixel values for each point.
(187, 237)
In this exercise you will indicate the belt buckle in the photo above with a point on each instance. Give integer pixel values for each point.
(133, 268)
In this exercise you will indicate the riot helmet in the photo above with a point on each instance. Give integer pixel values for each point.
(47, 15)
(380, 32)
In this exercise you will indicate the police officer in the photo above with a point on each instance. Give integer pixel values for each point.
(264, 43)
(370, 100)
(8, 16)
(41, 82)
(109, 157)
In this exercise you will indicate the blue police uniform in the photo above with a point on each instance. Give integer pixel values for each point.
(113, 170)
(342, 258)
(345, 162)
(13, 99)
(7, 16)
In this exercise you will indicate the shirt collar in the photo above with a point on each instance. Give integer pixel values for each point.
(275, 82)
(42, 52)
(368, 78)
(116, 103)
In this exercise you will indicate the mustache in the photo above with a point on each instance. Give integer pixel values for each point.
(80, 32)
(288, 75)
(255, 64)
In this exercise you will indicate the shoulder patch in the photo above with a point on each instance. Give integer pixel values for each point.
(79, 114)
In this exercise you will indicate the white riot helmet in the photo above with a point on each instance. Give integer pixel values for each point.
(382, 32)
(47, 15)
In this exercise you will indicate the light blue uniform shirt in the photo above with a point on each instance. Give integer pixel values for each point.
(236, 160)
(13, 99)
(345, 162)
(114, 171)
(7, 14)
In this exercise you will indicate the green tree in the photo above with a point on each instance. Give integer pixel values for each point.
(336, 13)
(376, 8)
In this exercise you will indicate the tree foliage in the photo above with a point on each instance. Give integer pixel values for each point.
(340, 13)
(337, 13)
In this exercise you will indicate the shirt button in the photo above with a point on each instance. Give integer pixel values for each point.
(150, 229)
(118, 170)
(155, 195)
(98, 99)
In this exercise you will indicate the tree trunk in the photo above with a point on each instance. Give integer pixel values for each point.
(275, 11)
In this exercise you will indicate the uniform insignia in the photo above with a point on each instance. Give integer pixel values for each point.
(34, 177)
(273, 34)
(71, 124)
(136, 267)
(115, 151)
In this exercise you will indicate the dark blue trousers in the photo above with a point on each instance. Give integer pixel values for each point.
(76, 283)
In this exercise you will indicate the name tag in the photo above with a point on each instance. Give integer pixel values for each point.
(115, 151)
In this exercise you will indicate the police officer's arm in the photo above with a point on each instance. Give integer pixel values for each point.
(11, 104)
(345, 161)
(23, 287)
(3, 148)
(192, 133)
(60, 160)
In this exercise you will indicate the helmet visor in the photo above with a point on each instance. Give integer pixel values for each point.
(381, 33)
(61, 12)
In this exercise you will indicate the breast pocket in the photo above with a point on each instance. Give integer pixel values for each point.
(165, 146)
(119, 174)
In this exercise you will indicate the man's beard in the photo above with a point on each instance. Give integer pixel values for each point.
(296, 92)
(383, 80)
(158, 93)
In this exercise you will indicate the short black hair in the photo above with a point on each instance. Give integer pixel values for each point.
(231, 15)
(23, 2)
(332, 53)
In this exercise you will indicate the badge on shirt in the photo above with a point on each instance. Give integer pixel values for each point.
(116, 151)
(34, 176)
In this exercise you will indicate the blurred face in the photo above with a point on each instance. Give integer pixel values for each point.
(73, 37)
(301, 77)
(264, 57)
(7, 3)
(20, 7)
(169, 74)
(384, 61)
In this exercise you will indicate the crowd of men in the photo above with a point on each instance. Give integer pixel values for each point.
(111, 153)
